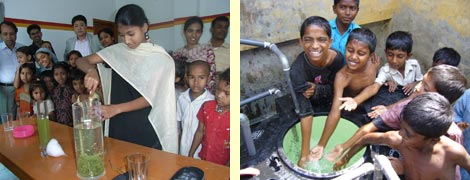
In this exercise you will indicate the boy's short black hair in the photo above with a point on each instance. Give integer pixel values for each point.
(364, 35)
(428, 114)
(449, 81)
(199, 63)
(37, 84)
(446, 55)
(220, 18)
(335, 2)
(318, 21)
(225, 76)
(79, 18)
(31, 27)
(399, 40)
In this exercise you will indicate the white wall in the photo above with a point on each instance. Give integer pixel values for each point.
(62, 11)
(57, 11)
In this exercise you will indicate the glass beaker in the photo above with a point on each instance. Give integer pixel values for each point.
(43, 124)
(88, 137)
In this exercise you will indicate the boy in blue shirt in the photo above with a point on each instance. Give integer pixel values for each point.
(342, 25)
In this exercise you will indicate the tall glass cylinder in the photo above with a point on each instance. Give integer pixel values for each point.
(88, 136)
(43, 124)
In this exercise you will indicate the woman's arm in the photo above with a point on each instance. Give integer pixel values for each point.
(88, 65)
(115, 109)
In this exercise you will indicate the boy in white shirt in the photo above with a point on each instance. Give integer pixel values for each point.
(189, 103)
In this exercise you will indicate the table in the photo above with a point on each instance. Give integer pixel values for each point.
(22, 157)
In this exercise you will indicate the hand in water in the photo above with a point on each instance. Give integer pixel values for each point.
(341, 163)
(302, 162)
(335, 153)
(316, 153)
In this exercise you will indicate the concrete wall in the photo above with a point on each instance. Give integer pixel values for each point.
(434, 24)
(61, 12)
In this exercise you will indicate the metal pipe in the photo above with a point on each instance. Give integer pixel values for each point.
(246, 132)
(254, 43)
(284, 62)
(260, 95)
(362, 170)
(386, 167)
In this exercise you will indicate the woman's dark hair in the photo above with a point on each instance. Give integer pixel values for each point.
(107, 31)
(193, 20)
(73, 52)
(37, 84)
(131, 15)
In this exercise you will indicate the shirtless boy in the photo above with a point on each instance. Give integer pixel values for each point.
(426, 153)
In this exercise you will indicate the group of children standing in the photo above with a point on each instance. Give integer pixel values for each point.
(203, 119)
(54, 86)
(413, 110)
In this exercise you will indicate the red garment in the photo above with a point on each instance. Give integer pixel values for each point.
(216, 140)
(24, 100)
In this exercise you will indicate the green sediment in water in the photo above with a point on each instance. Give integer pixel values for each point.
(292, 143)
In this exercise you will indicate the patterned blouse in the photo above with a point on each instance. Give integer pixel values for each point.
(62, 98)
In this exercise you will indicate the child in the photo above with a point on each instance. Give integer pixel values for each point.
(22, 97)
(81, 93)
(45, 59)
(189, 103)
(180, 85)
(446, 80)
(62, 93)
(48, 78)
(427, 154)
(24, 56)
(358, 73)
(399, 71)
(72, 57)
(313, 74)
(38, 93)
(342, 25)
(214, 125)
(446, 55)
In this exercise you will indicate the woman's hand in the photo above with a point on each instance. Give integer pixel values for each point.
(109, 111)
(92, 80)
